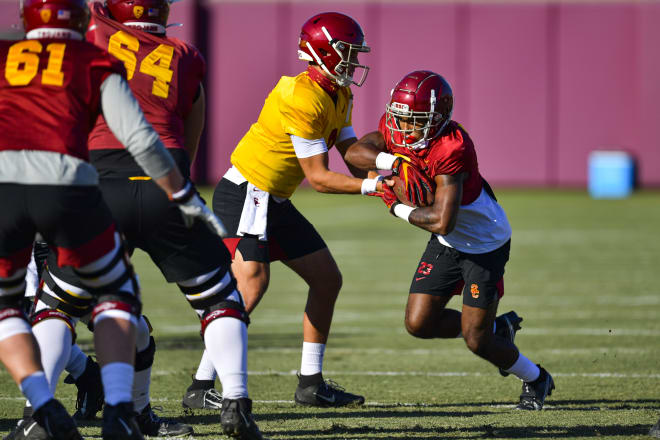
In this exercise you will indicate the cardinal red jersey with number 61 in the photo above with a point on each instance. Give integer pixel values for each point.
(50, 93)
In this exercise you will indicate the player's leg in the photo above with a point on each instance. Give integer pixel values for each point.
(19, 351)
(91, 255)
(199, 263)
(483, 287)
(436, 279)
(295, 241)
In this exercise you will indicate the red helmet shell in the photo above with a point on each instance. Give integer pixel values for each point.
(332, 40)
(425, 99)
(147, 15)
(55, 14)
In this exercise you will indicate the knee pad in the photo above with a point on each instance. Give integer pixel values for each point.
(110, 273)
(145, 359)
(224, 309)
(12, 322)
(121, 305)
(209, 289)
(56, 314)
(73, 301)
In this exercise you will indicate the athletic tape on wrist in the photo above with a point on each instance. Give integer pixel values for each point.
(384, 161)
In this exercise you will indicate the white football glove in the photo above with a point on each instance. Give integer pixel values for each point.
(192, 207)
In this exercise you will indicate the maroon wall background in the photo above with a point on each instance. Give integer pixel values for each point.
(538, 85)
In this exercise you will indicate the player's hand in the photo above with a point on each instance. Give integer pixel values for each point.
(389, 197)
(193, 208)
(417, 185)
(399, 163)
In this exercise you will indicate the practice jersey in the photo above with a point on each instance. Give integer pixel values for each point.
(50, 94)
(481, 224)
(164, 74)
(297, 106)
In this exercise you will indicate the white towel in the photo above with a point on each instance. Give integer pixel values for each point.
(254, 215)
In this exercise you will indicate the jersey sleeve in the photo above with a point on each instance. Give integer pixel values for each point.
(302, 115)
(450, 157)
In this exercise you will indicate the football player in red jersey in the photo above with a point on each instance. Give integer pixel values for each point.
(471, 236)
(54, 86)
(165, 75)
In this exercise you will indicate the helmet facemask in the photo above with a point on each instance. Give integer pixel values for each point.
(430, 123)
(344, 71)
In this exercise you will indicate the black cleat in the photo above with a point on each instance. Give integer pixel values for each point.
(27, 429)
(90, 391)
(655, 430)
(202, 399)
(236, 419)
(119, 422)
(534, 393)
(506, 326)
(153, 426)
(326, 393)
(57, 424)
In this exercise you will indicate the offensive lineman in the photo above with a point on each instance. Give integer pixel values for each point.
(471, 236)
(302, 118)
(53, 88)
(195, 258)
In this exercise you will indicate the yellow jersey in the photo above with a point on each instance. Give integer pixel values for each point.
(296, 106)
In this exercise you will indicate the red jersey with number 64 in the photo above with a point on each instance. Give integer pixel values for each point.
(50, 94)
(164, 74)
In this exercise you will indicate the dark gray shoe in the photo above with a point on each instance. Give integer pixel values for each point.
(202, 399)
(27, 429)
(506, 326)
(152, 425)
(236, 419)
(119, 422)
(534, 393)
(89, 400)
(55, 421)
(326, 393)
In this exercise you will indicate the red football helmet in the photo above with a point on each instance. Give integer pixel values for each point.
(55, 18)
(424, 99)
(146, 15)
(333, 41)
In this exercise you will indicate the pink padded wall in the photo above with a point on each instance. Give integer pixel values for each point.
(538, 86)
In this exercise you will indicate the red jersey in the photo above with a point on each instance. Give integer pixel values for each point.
(450, 153)
(164, 74)
(50, 94)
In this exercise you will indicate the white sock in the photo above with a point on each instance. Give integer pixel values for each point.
(142, 378)
(205, 371)
(524, 369)
(36, 390)
(117, 380)
(77, 362)
(54, 338)
(312, 358)
(226, 343)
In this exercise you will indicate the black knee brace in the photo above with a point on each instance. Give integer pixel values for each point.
(145, 359)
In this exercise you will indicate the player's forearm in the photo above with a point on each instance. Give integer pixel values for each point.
(429, 219)
(335, 183)
(363, 153)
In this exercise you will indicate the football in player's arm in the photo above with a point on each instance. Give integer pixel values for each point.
(470, 240)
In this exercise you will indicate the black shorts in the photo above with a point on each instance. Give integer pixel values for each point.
(444, 271)
(151, 222)
(290, 235)
(71, 218)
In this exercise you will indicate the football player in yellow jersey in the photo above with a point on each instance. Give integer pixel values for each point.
(301, 119)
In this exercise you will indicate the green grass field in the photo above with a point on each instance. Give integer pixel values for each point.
(584, 274)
